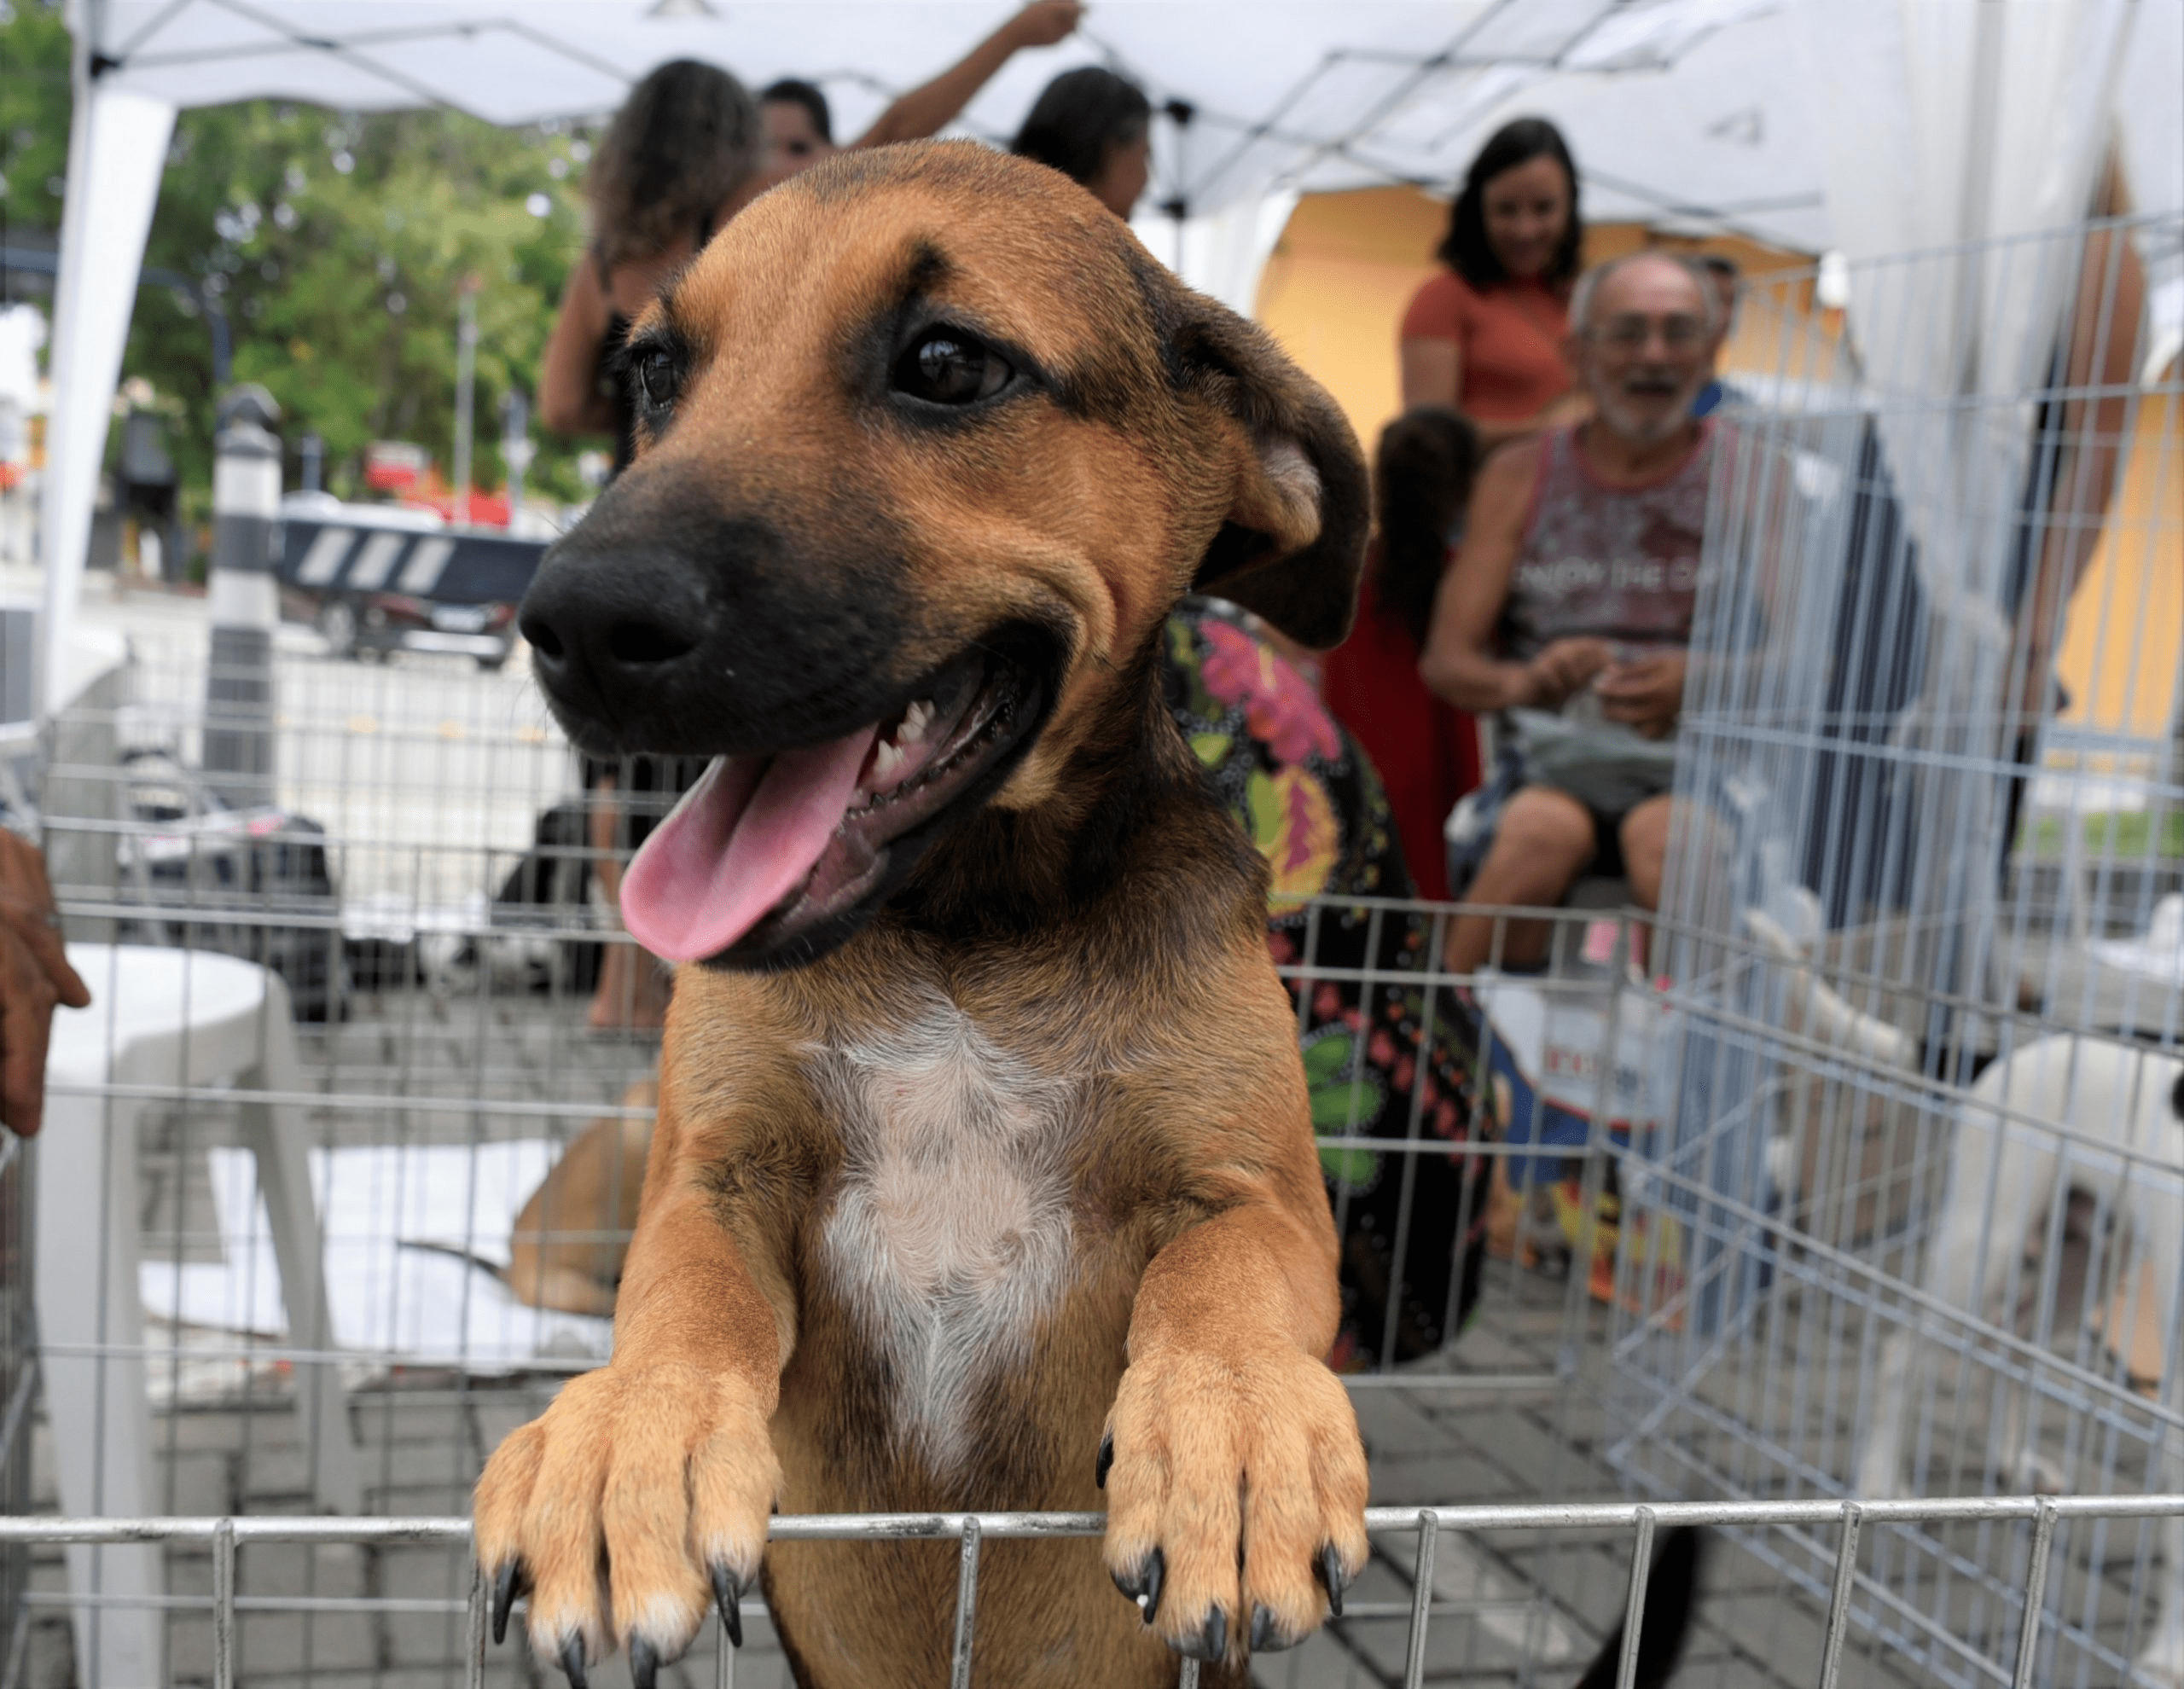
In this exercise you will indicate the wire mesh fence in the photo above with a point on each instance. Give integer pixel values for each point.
(1929, 951)
(224, 1612)
(319, 1248)
(467, 1091)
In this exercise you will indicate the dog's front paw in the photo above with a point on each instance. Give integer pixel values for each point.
(1236, 1498)
(639, 1497)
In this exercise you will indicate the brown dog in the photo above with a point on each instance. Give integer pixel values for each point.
(567, 1245)
(983, 1145)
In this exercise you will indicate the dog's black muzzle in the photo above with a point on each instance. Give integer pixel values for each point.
(661, 624)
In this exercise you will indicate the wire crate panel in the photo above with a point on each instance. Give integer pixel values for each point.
(1414, 1546)
(442, 948)
(1927, 932)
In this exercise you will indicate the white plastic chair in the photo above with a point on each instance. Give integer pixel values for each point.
(157, 1018)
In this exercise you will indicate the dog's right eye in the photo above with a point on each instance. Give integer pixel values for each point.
(657, 379)
(948, 367)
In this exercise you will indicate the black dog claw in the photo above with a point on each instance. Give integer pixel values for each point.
(1106, 1459)
(1143, 1585)
(1211, 1641)
(504, 1599)
(728, 1596)
(1265, 1639)
(1328, 1569)
(644, 1664)
(572, 1663)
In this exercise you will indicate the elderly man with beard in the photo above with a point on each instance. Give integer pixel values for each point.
(1568, 613)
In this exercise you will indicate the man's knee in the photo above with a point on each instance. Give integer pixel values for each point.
(1647, 833)
(1544, 837)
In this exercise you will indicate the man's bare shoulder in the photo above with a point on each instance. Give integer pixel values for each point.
(1507, 477)
(1517, 460)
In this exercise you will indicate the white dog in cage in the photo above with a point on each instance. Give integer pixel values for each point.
(2082, 1113)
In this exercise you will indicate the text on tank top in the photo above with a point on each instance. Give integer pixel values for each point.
(1597, 561)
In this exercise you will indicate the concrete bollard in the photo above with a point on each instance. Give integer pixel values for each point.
(244, 600)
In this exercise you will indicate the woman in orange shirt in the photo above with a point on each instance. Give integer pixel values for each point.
(1485, 336)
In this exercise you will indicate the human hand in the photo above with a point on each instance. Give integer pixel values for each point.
(1647, 695)
(1558, 671)
(1045, 22)
(34, 976)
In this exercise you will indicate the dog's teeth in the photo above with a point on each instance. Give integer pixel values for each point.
(886, 757)
(915, 720)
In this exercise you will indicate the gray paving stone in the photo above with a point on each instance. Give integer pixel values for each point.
(194, 1484)
(420, 1572)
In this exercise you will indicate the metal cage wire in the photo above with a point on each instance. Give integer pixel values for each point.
(441, 1024)
(1977, 861)
(1741, 1200)
(226, 1537)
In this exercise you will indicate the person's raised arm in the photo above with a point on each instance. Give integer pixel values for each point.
(569, 400)
(1459, 663)
(929, 109)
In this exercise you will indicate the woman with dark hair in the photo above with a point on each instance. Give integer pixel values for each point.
(1427, 753)
(1485, 336)
(1095, 128)
(680, 159)
(686, 152)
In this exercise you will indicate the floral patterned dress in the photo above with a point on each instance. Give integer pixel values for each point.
(1309, 800)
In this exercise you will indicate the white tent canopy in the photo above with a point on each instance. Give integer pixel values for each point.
(1305, 96)
(1697, 113)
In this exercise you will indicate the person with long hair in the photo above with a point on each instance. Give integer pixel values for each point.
(1095, 128)
(689, 148)
(681, 157)
(1427, 752)
(1485, 336)
(800, 125)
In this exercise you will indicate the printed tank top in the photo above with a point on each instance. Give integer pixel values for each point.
(1608, 562)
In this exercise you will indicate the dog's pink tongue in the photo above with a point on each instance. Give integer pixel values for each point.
(743, 837)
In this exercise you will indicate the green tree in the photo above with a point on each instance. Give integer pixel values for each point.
(336, 244)
(33, 114)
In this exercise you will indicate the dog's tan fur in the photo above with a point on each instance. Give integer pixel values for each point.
(567, 1246)
(1083, 963)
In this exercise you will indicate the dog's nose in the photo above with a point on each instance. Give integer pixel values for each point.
(662, 623)
(602, 623)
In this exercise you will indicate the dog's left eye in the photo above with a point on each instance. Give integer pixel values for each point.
(948, 367)
(657, 379)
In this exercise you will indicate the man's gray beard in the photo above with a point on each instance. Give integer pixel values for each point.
(1651, 434)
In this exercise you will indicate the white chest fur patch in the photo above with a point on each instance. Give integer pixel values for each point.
(950, 1238)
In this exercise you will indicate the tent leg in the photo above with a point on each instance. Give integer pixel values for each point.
(117, 150)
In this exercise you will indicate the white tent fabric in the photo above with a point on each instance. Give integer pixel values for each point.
(1298, 94)
(1220, 253)
(1961, 127)
(116, 147)
(1696, 112)
(1974, 135)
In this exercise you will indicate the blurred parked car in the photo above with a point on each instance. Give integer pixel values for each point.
(375, 542)
(360, 625)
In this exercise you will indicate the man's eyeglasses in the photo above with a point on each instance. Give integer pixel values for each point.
(1630, 333)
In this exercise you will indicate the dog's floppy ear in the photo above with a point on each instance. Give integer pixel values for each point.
(1294, 542)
